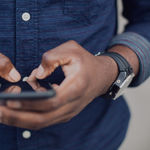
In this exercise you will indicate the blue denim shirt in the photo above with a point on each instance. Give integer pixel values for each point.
(93, 24)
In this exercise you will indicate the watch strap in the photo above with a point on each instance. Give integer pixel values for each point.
(125, 75)
(122, 63)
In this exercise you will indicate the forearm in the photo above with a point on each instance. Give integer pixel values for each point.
(141, 47)
(111, 68)
(136, 36)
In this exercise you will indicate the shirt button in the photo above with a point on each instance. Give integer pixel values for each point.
(26, 16)
(26, 134)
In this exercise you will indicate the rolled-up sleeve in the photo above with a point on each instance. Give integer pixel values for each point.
(137, 35)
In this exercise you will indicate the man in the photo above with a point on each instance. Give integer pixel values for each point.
(69, 34)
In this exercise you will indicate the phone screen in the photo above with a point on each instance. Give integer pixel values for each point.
(39, 89)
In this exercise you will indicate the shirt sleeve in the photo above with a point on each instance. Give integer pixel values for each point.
(137, 35)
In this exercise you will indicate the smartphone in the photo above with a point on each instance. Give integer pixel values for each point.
(39, 90)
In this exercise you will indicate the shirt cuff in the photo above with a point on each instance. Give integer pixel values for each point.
(141, 47)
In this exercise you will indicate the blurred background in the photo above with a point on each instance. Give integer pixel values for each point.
(138, 136)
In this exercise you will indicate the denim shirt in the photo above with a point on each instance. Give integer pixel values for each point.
(28, 28)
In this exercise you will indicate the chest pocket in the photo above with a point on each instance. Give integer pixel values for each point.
(85, 11)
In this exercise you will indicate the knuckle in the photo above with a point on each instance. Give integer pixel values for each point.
(4, 61)
(38, 124)
(3, 56)
(46, 57)
(8, 119)
(73, 44)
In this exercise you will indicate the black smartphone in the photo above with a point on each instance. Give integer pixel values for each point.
(38, 90)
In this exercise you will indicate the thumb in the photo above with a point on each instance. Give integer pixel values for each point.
(7, 70)
(13, 75)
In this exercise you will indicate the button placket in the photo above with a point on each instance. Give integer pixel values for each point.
(26, 54)
(26, 16)
(26, 36)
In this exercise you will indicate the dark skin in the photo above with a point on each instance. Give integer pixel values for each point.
(86, 77)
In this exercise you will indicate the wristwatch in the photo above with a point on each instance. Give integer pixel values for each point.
(125, 75)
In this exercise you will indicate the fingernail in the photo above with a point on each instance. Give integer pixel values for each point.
(25, 79)
(14, 75)
(40, 71)
(15, 90)
(13, 104)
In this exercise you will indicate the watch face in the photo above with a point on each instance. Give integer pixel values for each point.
(124, 85)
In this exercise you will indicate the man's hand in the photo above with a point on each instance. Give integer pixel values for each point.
(86, 77)
(7, 70)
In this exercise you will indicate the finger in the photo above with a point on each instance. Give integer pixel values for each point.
(32, 76)
(21, 119)
(8, 90)
(34, 84)
(66, 93)
(32, 81)
(35, 120)
(55, 86)
(13, 89)
(45, 70)
(39, 105)
(7, 70)
(53, 59)
(63, 55)
(73, 86)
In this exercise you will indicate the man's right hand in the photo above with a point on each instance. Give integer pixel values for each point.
(7, 70)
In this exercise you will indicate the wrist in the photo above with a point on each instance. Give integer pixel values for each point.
(125, 75)
(110, 71)
(129, 55)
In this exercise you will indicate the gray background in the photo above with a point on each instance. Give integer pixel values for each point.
(138, 136)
